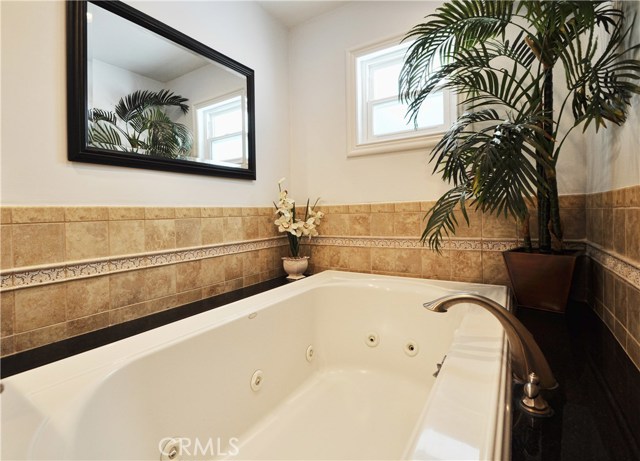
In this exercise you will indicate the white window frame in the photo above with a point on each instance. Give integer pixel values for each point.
(206, 154)
(359, 138)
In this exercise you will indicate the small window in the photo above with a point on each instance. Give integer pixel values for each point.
(378, 119)
(221, 131)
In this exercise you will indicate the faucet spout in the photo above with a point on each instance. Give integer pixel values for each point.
(526, 356)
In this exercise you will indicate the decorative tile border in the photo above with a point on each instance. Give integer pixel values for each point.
(623, 269)
(53, 273)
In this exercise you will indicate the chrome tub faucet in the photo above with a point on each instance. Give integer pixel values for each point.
(528, 363)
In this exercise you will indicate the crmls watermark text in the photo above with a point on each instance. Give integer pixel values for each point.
(173, 448)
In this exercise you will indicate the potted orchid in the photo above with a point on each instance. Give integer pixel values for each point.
(296, 228)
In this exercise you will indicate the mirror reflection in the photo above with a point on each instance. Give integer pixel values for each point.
(150, 96)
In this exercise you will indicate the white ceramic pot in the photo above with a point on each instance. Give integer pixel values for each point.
(295, 267)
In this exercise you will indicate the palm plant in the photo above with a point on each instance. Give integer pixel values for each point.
(141, 125)
(500, 156)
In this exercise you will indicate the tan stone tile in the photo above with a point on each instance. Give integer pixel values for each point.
(471, 230)
(211, 212)
(37, 214)
(188, 232)
(609, 291)
(436, 265)
(250, 280)
(5, 215)
(126, 237)
(335, 224)
(7, 346)
(250, 211)
(86, 240)
(403, 207)
(251, 226)
(633, 312)
(407, 224)
(619, 198)
(232, 212)
(597, 199)
(159, 213)
(160, 234)
(212, 230)
(189, 276)
(161, 304)
(40, 337)
(382, 259)
(250, 263)
(267, 228)
(233, 230)
(572, 201)
(187, 213)
(383, 208)
(35, 244)
(466, 265)
(632, 233)
(494, 270)
(190, 296)
(621, 306)
(594, 226)
(498, 226)
(360, 208)
(357, 259)
(160, 281)
(86, 324)
(633, 349)
(87, 297)
(335, 209)
(130, 312)
(38, 307)
(126, 213)
(212, 270)
(381, 224)
(607, 228)
(6, 247)
(233, 266)
(7, 313)
(608, 199)
(86, 213)
(574, 222)
(233, 285)
(409, 261)
(426, 206)
(619, 228)
(126, 288)
(632, 196)
(359, 224)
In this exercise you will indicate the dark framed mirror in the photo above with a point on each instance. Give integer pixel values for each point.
(143, 95)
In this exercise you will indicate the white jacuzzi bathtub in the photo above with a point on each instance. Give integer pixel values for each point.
(364, 390)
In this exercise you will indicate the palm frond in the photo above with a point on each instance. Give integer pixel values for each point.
(441, 217)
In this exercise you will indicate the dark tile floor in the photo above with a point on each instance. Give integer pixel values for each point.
(597, 406)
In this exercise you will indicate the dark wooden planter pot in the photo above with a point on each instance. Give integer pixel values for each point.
(541, 281)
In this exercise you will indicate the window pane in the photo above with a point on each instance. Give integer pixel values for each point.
(390, 118)
(227, 150)
(227, 122)
(385, 80)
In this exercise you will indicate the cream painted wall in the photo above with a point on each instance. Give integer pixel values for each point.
(34, 165)
(320, 166)
(613, 159)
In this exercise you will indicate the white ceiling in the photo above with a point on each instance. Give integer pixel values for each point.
(292, 13)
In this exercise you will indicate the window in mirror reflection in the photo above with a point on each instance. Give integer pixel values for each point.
(221, 130)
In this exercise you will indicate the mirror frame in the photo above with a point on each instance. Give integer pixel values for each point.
(77, 101)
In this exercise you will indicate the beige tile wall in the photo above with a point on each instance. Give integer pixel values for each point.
(613, 225)
(392, 220)
(34, 236)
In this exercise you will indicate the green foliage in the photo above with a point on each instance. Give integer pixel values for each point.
(499, 57)
(140, 124)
